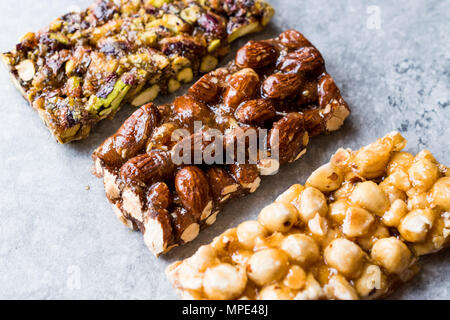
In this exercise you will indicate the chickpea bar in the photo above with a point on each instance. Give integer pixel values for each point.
(279, 85)
(354, 231)
(81, 69)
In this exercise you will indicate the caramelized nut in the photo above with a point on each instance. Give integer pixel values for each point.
(345, 256)
(256, 54)
(311, 201)
(224, 282)
(249, 231)
(193, 189)
(301, 248)
(370, 196)
(281, 85)
(415, 226)
(293, 39)
(243, 85)
(267, 265)
(441, 193)
(391, 254)
(255, 111)
(278, 217)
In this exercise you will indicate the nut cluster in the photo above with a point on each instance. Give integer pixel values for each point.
(279, 85)
(354, 231)
(81, 68)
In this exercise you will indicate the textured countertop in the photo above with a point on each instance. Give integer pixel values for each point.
(59, 240)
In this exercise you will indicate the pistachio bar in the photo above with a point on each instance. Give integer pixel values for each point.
(278, 86)
(81, 69)
(354, 231)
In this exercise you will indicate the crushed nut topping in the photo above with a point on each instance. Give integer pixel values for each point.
(84, 66)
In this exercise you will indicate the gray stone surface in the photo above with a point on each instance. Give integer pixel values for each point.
(58, 240)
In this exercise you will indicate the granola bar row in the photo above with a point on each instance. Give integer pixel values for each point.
(355, 230)
(84, 66)
(277, 85)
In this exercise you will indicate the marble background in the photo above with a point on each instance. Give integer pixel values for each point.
(61, 241)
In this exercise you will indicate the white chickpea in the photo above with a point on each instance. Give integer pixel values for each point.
(441, 193)
(415, 225)
(267, 266)
(392, 254)
(290, 194)
(423, 174)
(318, 225)
(400, 160)
(276, 292)
(224, 282)
(345, 256)
(357, 222)
(278, 217)
(222, 242)
(339, 288)
(248, 231)
(241, 257)
(370, 196)
(399, 179)
(341, 158)
(203, 258)
(338, 210)
(392, 192)
(295, 278)
(417, 199)
(326, 178)
(301, 248)
(187, 275)
(311, 201)
(396, 212)
(344, 191)
(311, 291)
(426, 154)
(366, 242)
(371, 161)
(372, 282)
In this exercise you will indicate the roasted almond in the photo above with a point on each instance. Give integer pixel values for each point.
(162, 136)
(222, 184)
(243, 85)
(148, 168)
(256, 54)
(157, 229)
(289, 136)
(159, 196)
(255, 111)
(308, 94)
(281, 86)
(193, 190)
(130, 138)
(328, 91)
(184, 224)
(188, 109)
(294, 39)
(314, 123)
(304, 60)
(205, 89)
(247, 175)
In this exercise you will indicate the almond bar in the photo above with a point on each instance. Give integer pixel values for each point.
(355, 230)
(85, 66)
(278, 85)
